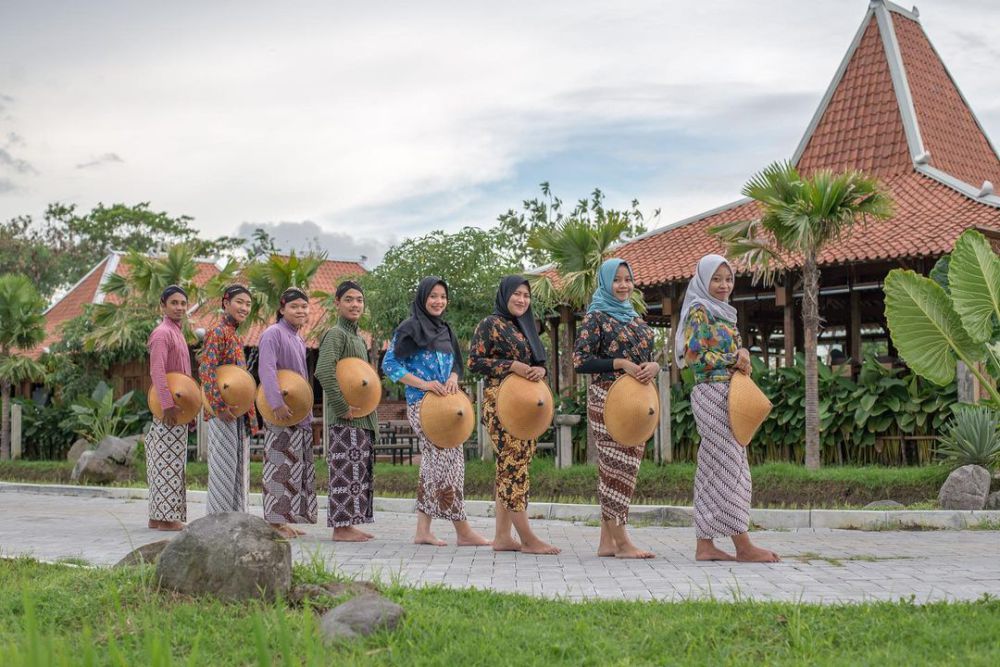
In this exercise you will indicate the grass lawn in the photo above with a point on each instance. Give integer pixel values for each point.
(775, 484)
(56, 614)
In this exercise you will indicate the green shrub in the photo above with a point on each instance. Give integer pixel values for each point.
(99, 415)
(42, 430)
(972, 437)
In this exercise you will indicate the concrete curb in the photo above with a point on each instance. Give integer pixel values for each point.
(658, 515)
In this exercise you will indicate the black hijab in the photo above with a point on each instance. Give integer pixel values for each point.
(526, 323)
(423, 331)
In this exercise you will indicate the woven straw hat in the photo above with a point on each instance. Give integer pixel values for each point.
(525, 407)
(748, 407)
(447, 421)
(297, 394)
(359, 384)
(631, 411)
(236, 387)
(187, 397)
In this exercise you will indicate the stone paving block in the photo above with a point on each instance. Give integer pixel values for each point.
(847, 519)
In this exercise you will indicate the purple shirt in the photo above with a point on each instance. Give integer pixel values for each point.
(280, 348)
(168, 353)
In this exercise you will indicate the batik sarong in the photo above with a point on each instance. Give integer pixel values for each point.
(289, 475)
(441, 485)
(166, 458)
(722, 485)
(617, 465)
(351, 459)
(228, 465)
(513, 457)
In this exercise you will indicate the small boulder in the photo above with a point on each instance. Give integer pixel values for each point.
(362, 615)
(232, 556)
(79, 447)
(321, 593)
(115, 449)
(965, 489)
(110, 462)
(884, 505)
(993, 501)
(147, 553)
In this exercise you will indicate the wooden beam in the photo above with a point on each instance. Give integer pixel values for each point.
(854, 330)
(789, 322)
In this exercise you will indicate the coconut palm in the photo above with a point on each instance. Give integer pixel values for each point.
(269, 278)
(22, 315)
(799, 217)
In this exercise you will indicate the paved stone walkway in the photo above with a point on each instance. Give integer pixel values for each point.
(821, 565)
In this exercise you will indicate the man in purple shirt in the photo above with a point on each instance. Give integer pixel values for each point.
(166, 442)
(289, 472)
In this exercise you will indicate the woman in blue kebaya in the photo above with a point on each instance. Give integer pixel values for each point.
(425, 356)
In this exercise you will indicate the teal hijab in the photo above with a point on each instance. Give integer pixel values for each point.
(604, 300)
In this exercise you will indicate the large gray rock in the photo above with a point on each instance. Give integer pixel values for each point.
(231, 556)
(147, 553)
(360, 616)
(117, 450)
(110, 462)
(965, 489)
(79, 447)
(993, 501)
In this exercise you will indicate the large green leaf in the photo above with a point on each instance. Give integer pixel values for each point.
(925, 327)
(974, 278)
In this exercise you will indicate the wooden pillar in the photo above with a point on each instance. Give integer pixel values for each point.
(567, 374)
(854, 329)
(765, 343)
(784, 297)
(553, 369)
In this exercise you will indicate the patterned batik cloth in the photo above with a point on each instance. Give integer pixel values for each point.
(166, 456)
(228, 465)
(513, 457)
(617, 465)
(351, 459)
(722, 485)
(441, 485)
(289, 475)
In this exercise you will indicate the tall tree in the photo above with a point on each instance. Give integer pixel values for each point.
(269, 277)
(799, 216)
(23, 327)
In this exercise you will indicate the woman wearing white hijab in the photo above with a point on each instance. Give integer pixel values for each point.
(709, 343)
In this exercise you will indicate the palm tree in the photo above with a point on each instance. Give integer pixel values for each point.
(799, 216)
(22, 314)
(269, 278)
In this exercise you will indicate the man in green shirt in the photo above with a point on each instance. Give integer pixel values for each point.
(351, 452)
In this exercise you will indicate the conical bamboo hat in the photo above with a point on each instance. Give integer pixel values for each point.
(748, 407)
(631, 411)
(447, 421)
(525, 407)
(237, 388)
(187, 397)
(297, 394)
(359, 384)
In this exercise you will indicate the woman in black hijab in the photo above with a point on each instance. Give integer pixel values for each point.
(507, 342)
(424, 355)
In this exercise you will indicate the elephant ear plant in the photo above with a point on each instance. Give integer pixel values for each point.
(933, 328)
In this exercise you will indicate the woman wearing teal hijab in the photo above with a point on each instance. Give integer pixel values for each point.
(613, 340)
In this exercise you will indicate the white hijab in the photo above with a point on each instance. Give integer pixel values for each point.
(698, 295)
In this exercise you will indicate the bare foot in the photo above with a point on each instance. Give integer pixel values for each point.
(171, 525)
(349, 534)
(154, 524)
(632, 551)
(471, 539)
(506, 544)
(757, 555)
(428, 538)
(540, 548)
(712, 552)
(365, 533)
(284, 530)
(296, 532)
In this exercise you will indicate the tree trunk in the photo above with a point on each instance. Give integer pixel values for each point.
(5, 423)
(810, 331)
(567, 376)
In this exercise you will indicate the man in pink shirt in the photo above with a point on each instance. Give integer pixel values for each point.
(166, 442)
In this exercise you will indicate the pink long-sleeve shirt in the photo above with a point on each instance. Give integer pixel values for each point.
(168, 353)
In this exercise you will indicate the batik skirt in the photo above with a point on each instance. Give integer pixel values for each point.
(351, 459)
(289, 475)
(441, 484)
(617, 465)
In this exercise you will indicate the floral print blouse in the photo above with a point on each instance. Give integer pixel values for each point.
(223, 346)
(711, 346)
(602, 339)
(427, 365)
(496, 343)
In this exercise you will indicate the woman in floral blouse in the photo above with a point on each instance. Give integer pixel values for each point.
(709, 343)
(425, 356)
(228, 436)
(613, 340)
(503, 343)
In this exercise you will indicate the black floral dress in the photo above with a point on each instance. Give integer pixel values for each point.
(496, 344)
(600, 340)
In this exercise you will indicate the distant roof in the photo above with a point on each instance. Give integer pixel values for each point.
(894, 111)
(89, 290)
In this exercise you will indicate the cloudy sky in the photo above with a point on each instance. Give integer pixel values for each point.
(351, 125)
